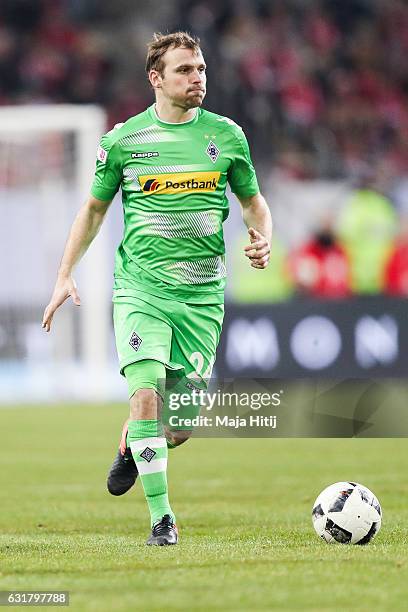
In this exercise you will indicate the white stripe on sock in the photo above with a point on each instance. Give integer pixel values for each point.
(155, 465)
(137, 445)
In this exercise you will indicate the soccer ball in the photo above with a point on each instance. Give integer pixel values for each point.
(348, 513)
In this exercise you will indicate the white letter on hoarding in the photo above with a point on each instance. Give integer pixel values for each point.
(315, 342)
(252, 344)
(376, 341)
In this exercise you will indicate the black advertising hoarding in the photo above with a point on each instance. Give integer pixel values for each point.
(359, 338)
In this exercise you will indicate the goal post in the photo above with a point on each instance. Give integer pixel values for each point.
(47, 160)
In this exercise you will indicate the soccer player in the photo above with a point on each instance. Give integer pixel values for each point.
(172, 162)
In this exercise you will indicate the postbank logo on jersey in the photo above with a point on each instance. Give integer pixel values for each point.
(181, 182)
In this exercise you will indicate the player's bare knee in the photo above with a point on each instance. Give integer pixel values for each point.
(145, 404)
(177, 437)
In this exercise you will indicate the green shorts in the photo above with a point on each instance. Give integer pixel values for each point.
(184, 337)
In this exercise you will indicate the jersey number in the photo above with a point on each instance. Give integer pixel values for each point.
(197, 360)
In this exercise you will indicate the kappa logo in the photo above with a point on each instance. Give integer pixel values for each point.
(145, 154)
(186, 182)
(212, 151)
(151, 185)
(135, 341)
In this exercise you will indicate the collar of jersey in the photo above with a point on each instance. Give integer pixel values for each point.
(153, 114)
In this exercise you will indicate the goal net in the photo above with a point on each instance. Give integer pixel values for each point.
(47, 158)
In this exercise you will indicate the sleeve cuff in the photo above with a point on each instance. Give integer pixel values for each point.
(248, 193)
(102, 194)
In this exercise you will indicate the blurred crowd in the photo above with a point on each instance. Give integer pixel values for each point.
(320, 87)
(361, 251)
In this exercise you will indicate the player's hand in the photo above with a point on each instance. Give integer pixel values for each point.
(64, 288)
(123, 444)
(258, 252)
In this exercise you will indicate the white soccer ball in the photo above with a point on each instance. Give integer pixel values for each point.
(347, 512)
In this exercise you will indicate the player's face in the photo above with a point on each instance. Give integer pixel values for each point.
(183, 81)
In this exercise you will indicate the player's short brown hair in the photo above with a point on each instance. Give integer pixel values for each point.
(160, 43)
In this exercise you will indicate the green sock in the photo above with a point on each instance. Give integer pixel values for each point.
(169, 444)
(149, 449)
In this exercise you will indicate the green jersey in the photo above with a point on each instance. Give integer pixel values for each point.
(173, 178)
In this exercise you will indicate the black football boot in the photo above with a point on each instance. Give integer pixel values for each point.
(123, 473)
(164, 532)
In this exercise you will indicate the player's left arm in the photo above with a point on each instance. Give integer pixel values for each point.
(257, 217)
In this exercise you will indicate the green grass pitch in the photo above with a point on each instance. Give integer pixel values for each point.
(243, 509)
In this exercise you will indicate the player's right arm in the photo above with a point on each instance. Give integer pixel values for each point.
(84, 229)
(108, 175)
